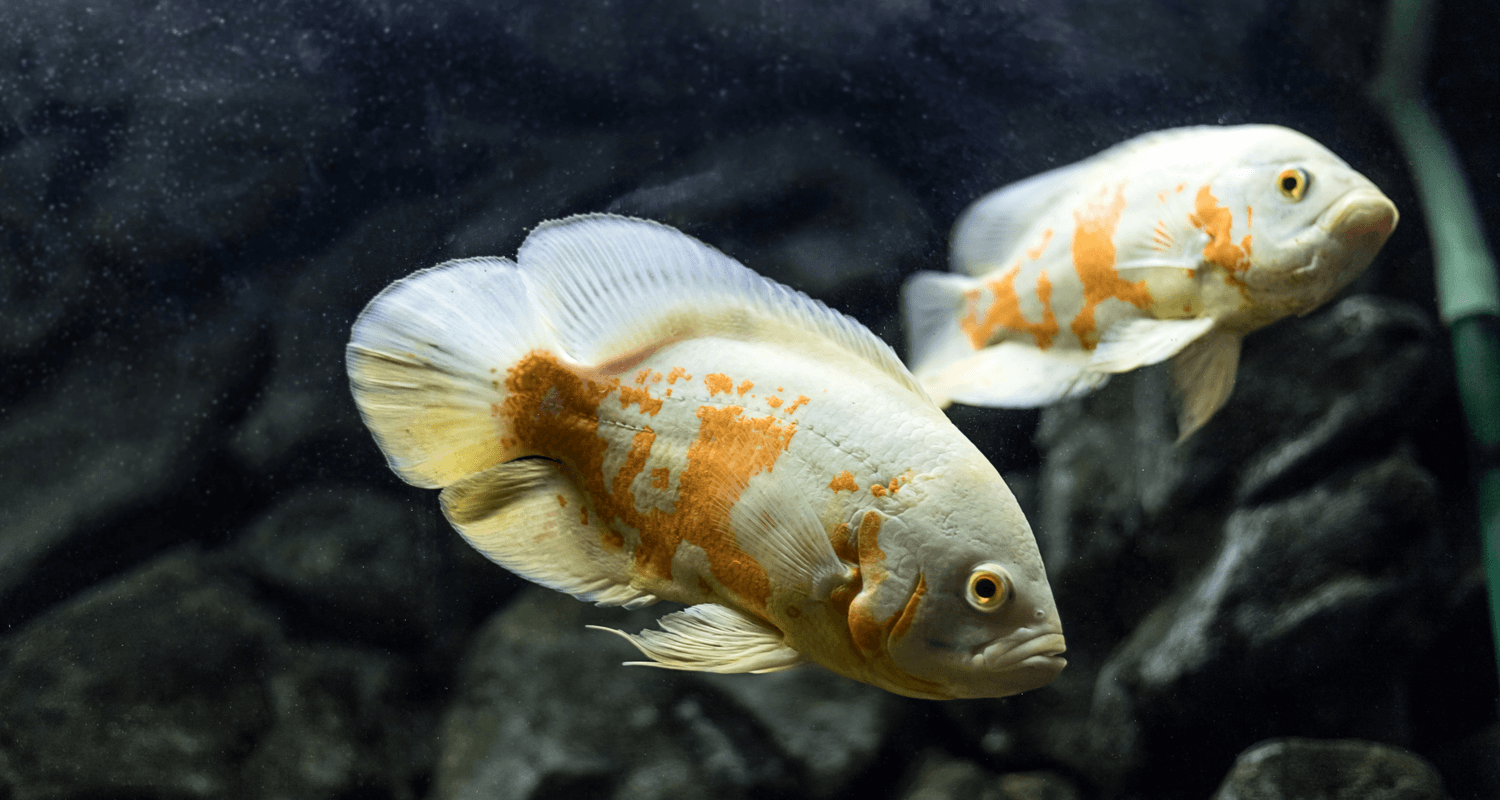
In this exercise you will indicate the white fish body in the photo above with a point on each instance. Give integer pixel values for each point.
(1175, 243)
(626, 415)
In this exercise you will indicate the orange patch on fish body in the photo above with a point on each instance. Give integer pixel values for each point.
(718, 383)
(744, 387)
(863, 628)
(902, 622)
(676, 373)
(1005, 311)
(801, 401)
(1094, 259)
(555, 413)
(660, 477)
(773, 401)
(1217, 221)
(843, 482)
(562, 502)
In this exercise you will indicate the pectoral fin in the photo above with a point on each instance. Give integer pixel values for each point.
(712, 638)
(1205, 373)
(1138, 342)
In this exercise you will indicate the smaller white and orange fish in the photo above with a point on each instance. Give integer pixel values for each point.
(1173, 244)
(627, 415)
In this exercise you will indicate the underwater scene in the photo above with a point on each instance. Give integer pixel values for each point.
(896, 400)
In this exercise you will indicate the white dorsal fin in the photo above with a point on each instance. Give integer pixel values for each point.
(1014, 375)
(1134, 343)
(1205, 373)
(712, 638)
(613, 285)
(931, 304)
(527, 517)
(992, 228)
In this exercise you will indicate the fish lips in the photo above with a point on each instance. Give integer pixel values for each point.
(1362, 219)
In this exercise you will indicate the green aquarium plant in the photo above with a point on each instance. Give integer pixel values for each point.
(1468, 297)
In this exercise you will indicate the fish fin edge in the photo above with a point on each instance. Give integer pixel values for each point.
(614, 286)
(712, 638)
(426, 360)
(1142, 341)
(512, 514)
(1205, 372)
(1014, 375)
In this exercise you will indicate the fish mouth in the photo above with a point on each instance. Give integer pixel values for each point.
(1362, 218)
(1041, 652)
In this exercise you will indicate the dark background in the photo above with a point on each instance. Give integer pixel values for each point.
(211, 586)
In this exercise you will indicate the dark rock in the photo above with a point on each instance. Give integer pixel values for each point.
(1313, 769)
(544, 708)
(353, 560)
(121, 433)
(1301, 594)
(940, 777)
(172, 682)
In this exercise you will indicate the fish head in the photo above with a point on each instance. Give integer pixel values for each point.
(1311, 222)
(982, 622)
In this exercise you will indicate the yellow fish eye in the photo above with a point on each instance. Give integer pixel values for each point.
(989, 587)
(1292, 182)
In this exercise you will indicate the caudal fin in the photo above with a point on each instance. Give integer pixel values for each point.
(931, 304)
(427, 363)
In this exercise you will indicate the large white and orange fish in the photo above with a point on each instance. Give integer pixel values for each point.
(1175, 243)
(627, 415)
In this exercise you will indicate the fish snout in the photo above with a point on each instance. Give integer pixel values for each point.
(1028, 649)
(1361, 219)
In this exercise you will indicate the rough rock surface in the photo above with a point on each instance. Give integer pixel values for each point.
(211, 584)
(543, 708)
(1341, 769)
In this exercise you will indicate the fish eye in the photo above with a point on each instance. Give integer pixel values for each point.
(989, 587)
(1293, 183)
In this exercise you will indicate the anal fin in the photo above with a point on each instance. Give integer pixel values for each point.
(1205, 373)
(712, 638)
(1013, 375)
(528, 517)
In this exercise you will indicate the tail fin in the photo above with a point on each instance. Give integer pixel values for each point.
(931, 303)
(427, 361)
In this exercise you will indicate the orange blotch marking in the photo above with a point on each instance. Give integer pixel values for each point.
(718, 383)
(678, 373)
(635, 461)
(793, 612)
(643, 375)
(895, 484)
(863, 628)
(840, 541)
(562, 502)
(554, 412)
(612, 539)
(1005, 311)
(744, 387)
(583, 515)
(1094, 259)
(642, 397)
(660, 477)
(877, 489)
(843, 482)
(902, 622)
(773, 401)
(1218, 222)
(801, 401)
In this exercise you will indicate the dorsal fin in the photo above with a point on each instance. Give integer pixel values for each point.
(611, 286)
(991, 228)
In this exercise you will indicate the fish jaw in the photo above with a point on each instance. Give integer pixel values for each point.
(1361, 220)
